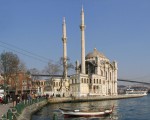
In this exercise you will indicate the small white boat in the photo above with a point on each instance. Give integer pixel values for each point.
(80, 113)
(132, 91)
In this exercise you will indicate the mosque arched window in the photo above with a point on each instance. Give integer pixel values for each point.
(90, 81)
(101, 73)
(84, 80)
(104, 82)
(56, 84)
(94, 80)
(75, 80)
(97, 81)
(110, 75)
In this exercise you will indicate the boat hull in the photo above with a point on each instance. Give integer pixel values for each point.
(68, 114)
(71, 116)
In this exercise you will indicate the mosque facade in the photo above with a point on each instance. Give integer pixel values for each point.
(100, 76)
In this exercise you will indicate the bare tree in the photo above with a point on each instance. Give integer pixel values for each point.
(70, 66)
(22, 67)
(57, 69)
(52, 68)
(10, 66)
(34, 71)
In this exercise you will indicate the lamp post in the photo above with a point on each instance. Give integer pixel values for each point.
(5, 84)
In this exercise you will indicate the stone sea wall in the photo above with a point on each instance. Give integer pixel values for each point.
(91, 98)
(28, 111)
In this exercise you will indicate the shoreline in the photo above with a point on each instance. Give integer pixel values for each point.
(30, 110)
(91, 98)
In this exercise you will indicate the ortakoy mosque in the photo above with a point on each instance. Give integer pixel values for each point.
(95, 75)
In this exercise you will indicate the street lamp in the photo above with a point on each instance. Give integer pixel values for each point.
(5, 84)
(5, 88)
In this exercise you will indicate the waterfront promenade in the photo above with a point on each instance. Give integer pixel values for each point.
(22, 111)
(4, 108)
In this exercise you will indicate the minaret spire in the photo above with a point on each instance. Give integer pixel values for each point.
(64, 40)
(82, 27)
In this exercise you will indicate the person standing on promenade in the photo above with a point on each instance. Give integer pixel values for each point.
(17, 98)
(24, 97)
(13, 96)
(29, 97)
(7, 98)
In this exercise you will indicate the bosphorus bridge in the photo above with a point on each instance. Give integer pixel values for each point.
(119, 79)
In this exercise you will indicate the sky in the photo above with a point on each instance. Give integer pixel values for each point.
(119, 29)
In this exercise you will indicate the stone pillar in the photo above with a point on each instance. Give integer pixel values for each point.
(113, 82)
(115, 77)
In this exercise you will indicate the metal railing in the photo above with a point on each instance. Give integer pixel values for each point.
(17, 110)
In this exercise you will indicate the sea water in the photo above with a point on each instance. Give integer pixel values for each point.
(125, 109)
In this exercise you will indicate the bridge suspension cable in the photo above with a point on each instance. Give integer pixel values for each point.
(132, 81)
(124, 80)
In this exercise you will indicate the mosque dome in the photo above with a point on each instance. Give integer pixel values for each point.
(94, 54)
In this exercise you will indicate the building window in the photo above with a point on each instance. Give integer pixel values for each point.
(94, 80)
(104, 82)
(106, 75)
(101, 73)
(97, 81)
(56, 84)
(110, 75)
(84, 80)
(90, 81)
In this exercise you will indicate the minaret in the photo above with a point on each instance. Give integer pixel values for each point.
(64, 39)
(82, 27)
